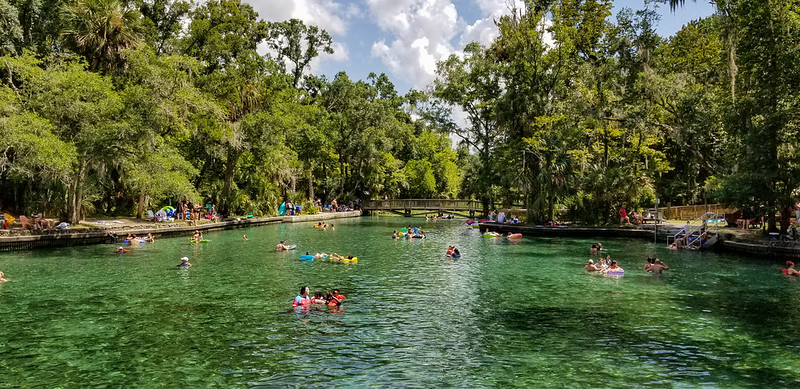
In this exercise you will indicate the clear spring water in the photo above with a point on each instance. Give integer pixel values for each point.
(506, 314)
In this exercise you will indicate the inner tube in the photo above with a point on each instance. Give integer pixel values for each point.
(317, 226)
(618, 272)
(353, 260)
(200, 241)
(491, 234)
(291, 247)
(454, 256)
(128, 241)
(306, 257)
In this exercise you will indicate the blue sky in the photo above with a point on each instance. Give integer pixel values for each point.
(405, 38)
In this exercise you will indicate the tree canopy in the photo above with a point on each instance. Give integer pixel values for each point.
(114, 107)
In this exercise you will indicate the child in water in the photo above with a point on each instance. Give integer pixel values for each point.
(318, 299)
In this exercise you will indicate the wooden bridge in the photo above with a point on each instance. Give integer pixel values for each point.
(405, 207)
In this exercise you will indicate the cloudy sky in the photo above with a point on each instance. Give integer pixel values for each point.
(405, 38)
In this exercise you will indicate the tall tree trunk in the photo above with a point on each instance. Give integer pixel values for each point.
(311, 181)
(140, 208)
(75, 195)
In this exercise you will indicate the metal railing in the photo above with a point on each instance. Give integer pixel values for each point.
(702, 232)
(422, 204)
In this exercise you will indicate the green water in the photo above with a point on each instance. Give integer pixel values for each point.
(506, 314)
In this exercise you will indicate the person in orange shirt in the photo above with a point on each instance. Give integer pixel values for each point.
(338, 295)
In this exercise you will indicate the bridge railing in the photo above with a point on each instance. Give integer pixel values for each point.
(418, 204)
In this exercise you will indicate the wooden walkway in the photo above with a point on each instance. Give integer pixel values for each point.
(405, 207)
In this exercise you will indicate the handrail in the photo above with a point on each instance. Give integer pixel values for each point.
(421, 203)
(709, 225)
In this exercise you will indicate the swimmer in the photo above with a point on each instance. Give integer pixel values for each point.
(121, 250)
(322, 256)
(591, 267)
(196, 237)
(450, 250)
(338, 295)
(282, 246)
(149, 238)
(184, 263)
(336, 257)
(2, 277)
(302, 298)
(657, 267)
(599, 247)
(614, 267)
(790, 270)
(333, 228)
(318, 299)
(394, 234)
(593, 250)
(333, 302)
(649, 264)
(244, 237)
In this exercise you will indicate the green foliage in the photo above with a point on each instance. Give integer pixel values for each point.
(10, 29)
(108, 105)
(294, 42)
(421, 182)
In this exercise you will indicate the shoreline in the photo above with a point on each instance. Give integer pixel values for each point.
(102, 234)
(726, 242)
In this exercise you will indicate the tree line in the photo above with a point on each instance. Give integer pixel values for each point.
(107, 106)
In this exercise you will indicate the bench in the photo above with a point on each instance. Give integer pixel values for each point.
(653, 216)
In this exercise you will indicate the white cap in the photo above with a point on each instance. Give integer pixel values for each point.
(185, 259)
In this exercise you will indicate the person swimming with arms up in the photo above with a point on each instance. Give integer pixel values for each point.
(657, 267)
(332, 301)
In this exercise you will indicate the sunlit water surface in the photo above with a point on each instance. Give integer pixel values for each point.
(506, 314)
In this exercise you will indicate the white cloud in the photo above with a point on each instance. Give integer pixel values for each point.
(328, 15)
(422, 31)
(322, 13)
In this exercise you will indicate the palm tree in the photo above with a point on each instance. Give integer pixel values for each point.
(100, 30)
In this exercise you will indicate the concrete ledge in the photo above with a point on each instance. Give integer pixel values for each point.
(761, 250)
(96, 236)
(320, 216)
(568, 231)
